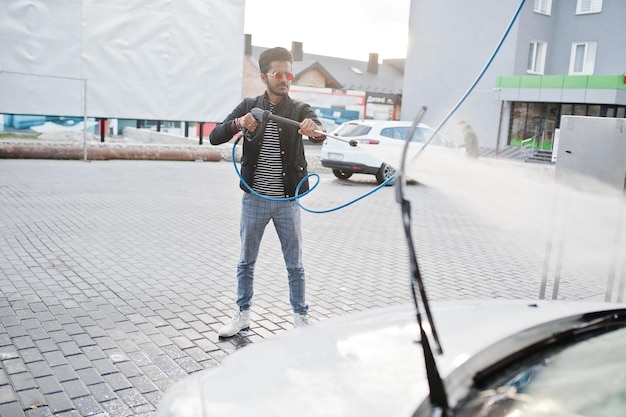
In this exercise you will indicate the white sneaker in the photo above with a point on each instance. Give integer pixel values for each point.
(239, 321)
(300, 320)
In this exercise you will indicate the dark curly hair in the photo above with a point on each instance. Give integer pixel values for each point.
(272, 55)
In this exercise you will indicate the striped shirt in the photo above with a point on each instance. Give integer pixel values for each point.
(268, 177)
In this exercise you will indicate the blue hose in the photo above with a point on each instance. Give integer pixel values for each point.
(297, 195)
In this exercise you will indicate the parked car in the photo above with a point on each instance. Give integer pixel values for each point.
(346, 160)
(500, 358)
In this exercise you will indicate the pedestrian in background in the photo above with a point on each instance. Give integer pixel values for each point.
(470, 140)
(272, 164)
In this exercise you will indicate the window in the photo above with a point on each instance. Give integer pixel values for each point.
(543, 7)
(588, 6)
(594, 110)
(353, 129)
(580, 110)
(582, 58)
(536, 57)
(533, 121)
(395, 132)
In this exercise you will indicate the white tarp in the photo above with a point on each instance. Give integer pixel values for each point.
(142, 59)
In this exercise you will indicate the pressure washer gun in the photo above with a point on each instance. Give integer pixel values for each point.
(262, 116)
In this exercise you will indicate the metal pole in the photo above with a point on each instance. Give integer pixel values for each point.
(617, 242)
(622, 281)
(498, 133)
(103, 129)
(549, 243)
(84, 119)
(561, 247)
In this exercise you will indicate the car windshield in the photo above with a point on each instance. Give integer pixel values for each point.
(349, 130)
(401, 132)
(585, 379)
(421, 135)
(395, 132)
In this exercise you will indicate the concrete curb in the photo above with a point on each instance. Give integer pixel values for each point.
(102, 151)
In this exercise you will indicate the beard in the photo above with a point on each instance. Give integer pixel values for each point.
(283, 91)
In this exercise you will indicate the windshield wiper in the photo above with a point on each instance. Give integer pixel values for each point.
(438, 396)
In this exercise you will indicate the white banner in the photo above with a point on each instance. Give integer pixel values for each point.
(149, 60)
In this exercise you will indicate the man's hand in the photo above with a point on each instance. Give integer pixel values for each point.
(247, 121)
(308, 128)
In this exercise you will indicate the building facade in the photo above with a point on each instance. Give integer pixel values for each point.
(561, 57)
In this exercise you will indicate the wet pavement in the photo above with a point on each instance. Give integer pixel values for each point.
(116, 275)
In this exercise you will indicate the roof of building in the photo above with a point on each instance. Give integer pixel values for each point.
(300, 67)
(351, 74)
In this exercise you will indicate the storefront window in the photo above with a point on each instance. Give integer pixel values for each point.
(593, 110)
(607, 111)
(532, 124)
(580, 110)
(567, 109)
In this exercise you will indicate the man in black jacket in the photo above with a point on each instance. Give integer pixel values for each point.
(272, 166)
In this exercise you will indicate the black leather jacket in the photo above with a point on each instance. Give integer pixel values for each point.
(292, 149)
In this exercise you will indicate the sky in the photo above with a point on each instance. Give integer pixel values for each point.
(350, 29)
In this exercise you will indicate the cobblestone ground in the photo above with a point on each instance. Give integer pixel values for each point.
(116, 275)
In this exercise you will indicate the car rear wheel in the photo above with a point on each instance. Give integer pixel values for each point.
(341, 174)
(384, 173)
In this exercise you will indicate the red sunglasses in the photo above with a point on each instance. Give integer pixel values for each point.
(279, 76)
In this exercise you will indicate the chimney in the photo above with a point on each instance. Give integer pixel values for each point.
(296, 51)
(372, 65)
(247, 46)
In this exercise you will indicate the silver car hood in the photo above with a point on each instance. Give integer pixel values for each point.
(362, 364)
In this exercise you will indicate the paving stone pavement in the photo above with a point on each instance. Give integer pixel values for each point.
(116, 275)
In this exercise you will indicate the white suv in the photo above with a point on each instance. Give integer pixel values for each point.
(346, 160)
